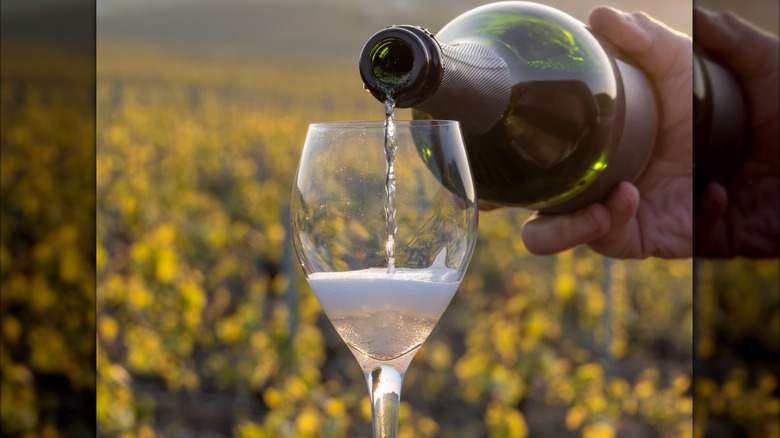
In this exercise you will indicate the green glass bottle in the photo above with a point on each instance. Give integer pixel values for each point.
(552, 117)
(720, 133)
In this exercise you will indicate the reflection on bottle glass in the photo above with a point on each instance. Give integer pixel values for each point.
(537, 95)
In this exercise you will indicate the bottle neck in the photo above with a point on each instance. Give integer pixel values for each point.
(475, 88)
(403, 62)
(467, 81)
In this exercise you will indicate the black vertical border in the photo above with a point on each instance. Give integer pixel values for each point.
(48, 32)
(732, 347)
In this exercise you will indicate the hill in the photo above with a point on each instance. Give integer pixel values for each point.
(294, 29)
(332, 28)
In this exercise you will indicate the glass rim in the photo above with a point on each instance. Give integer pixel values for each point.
(379, 124)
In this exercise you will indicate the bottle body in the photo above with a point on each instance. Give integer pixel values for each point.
(720, 131)
(545, 109)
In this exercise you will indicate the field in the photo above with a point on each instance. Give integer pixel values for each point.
(205, 325)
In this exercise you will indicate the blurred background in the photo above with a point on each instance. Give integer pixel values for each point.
(204, 324)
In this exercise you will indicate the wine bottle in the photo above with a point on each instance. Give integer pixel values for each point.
(720, 132)
(552, 117)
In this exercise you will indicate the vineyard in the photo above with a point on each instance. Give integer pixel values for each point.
(205, 325)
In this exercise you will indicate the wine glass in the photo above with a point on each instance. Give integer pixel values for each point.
(384, 253)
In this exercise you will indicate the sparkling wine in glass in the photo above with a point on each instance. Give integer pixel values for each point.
(384, 303)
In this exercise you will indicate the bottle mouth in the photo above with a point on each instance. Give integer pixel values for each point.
(392, 61)
(402, 61)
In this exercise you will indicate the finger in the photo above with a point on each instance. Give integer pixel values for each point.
(709, 236)
(747, 50)
(751, 54)
(623, 203)
(663, 54)
(549, 234)
(712, 204)
(657, 49)
(712, 32)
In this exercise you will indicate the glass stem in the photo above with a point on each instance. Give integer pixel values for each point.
(384, 388)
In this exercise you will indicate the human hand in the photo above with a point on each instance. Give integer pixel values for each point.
(655, 216)
(743, 217)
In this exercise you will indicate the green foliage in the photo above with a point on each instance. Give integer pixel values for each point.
(194, 171)
(738, 345)
(46, 243)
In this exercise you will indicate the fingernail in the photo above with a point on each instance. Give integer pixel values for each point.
(705, 11)
(723, 20)
(623, 15)
(623, 201)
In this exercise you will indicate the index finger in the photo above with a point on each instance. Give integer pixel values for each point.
(657, 49)
(747, 50)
